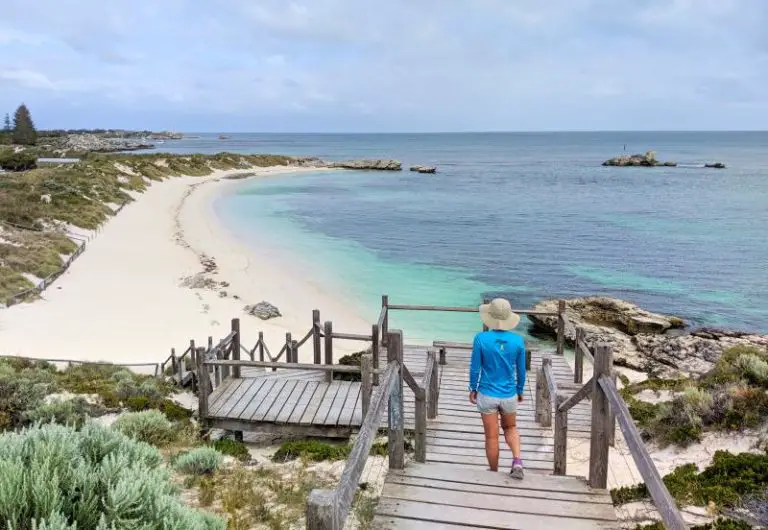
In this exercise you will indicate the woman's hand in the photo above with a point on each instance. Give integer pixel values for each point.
(473, 397)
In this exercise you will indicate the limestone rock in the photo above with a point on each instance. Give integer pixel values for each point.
(646, 160)
(379, 164)
(263, 310)
(102, 144)
(424, 169)
(716, 165)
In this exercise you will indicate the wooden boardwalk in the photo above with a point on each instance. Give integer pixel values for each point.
(454, 489)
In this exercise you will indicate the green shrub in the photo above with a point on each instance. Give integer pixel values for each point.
(73, 412)
(349, 360)
(173, 411)
(232, 448)
(200, 461)
(150, 426)
(94, 478)
(20, 392)
(312, 450)
(20, 161)
(719, 524)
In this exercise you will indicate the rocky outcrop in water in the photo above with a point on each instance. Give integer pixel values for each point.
(642, 340)
(380, 165)
(715, 165)
(263, 310)
(101, 144)
(424, 169)
(646, 160)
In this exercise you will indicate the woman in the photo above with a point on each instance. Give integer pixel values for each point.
(497, 380)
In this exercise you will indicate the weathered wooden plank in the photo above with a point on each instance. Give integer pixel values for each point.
(325, 406)
(241, 387)
(481, 462)
(348, 407)
(315, 403)
(269, 401)
(253, 399)
(291, 402)
(472, 517)
(245, 399)
(304, 401)
(337, 407)
(251, 411)
(482, 501)
(220, 395)
(280, 401)
(460, 452)
(598, 449)
(461, 442)
(506, 492)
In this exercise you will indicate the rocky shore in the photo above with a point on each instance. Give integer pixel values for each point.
(647, 342)
(646, 160)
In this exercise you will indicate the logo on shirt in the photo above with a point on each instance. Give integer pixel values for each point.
(501, 344)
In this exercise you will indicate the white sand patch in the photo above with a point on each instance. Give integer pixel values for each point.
(31, 277)
(121, 300)
(122, 168)
(58, 397)
(655, 396)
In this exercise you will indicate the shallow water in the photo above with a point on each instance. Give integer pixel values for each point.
(527, 216)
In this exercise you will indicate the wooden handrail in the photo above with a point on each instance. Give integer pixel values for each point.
(578, 397)
(414, 386)
(339, 368)
(309, 334)
(457, 309)
(351, 336)
(661, 497)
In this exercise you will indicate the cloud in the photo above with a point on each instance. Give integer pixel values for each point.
(404, 65)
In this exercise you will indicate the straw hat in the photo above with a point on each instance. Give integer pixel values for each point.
(499, 315)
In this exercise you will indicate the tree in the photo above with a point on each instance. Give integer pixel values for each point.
(24, 132)
(7, 123)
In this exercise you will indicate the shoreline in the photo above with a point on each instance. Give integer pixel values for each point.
(122, 301)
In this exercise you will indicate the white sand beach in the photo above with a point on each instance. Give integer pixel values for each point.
(122, 301)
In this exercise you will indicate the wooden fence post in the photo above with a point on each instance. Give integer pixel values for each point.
(443, 361)
(261, 346)
(288, 348)
(375, 351)
(193, 357)
(612, 416)
(385, 323)
(434, 387)
(528, 359)
(543, 404)
(328, 332)
(420, 426)
(203, 379)
(561, 436)
(366, 369)
(322, 513)
(235, 356)
(174, 366)
(486, 301)
(598, 449)
(561, 327)
(578, 370)
(396, 438)
(316, 348)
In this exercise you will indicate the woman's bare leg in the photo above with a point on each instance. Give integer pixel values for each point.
(491, 427)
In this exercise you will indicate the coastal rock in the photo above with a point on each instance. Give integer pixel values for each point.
(641, 340)
(424, 169)
(715, 165)
(102, 144)
(380, 164)
(646, 160)
(263, 310)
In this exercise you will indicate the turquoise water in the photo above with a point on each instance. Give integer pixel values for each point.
(527, 216)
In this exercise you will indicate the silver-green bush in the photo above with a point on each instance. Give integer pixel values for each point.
(150, 426)
(200, 461)
(55, 477)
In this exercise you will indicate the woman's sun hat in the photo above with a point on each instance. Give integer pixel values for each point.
(499, 315)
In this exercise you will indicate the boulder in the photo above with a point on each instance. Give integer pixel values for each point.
(381, 165)
(263, 310)
(646, 160)
(424, 169)
(641, 340)
(102, 144)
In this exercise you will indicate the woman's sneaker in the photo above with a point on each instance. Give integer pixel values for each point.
(517, 469)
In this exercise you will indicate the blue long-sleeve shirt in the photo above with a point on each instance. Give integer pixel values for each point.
(497, 367)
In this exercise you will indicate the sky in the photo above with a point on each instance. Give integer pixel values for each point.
(387, 65)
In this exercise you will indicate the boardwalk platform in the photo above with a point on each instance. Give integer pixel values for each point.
(454, 488)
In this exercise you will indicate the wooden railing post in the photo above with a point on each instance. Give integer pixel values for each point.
(203, 381)
(174, 363)
(612, 417)
(316, 348)
(528, 359)
(598, 449)
(385, 324)
(485, 302)
(443, 360)
(328, 331)
(366, 381)
(322, 512)
(561, 436)
(433, 390)
(288, 348)
(375, 351)
(396, 438)
(543, 400)
(261, 346)
(578, 369)
(420, 427)
(295, 349)
(561, 327)
(193, 358)
(235, 355)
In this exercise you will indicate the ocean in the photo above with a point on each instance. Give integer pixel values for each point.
(527, 216)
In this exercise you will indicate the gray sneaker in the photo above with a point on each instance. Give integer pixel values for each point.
(517, 469)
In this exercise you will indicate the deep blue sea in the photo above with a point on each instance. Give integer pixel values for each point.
(524, 215)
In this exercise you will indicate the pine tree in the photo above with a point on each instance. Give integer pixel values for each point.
(7, 123)
(24, 132)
